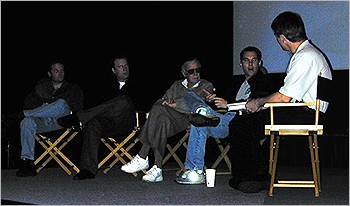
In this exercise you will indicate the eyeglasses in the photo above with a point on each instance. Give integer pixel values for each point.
(191, 71)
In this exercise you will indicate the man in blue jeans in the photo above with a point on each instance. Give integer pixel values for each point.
(198, 137)
(51, 99)
(254, 84)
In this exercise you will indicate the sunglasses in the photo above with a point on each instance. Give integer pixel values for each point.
(191, 71)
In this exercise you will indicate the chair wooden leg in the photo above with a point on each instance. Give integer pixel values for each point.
(113, 151)
(58, 151)
(53, 150)
(223, 155)
(273, 161)
(272, 146)
(315, 172)
(317, 163)
(52, 155)
(172, 152)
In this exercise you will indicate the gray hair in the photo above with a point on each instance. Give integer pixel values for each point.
(187, 63)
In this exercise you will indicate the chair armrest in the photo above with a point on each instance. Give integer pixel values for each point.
(289, 104)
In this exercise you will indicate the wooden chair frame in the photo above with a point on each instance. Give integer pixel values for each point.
(123, 147)
(53, 150)
(311, 131)
(224, 148)
(172, 152)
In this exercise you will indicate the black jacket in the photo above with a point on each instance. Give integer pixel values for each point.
(44, 92)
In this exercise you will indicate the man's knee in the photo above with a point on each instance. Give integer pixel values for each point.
(28, 122)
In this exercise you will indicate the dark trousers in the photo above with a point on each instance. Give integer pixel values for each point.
(163, 122)
(250, 159)
(115, 117)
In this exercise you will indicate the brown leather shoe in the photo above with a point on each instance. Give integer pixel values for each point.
(199, 120)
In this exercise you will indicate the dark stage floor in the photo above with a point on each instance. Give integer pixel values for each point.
(52, 186)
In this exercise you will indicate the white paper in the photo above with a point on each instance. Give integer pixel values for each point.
(236, 106)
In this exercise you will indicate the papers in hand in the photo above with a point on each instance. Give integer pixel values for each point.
(236, 106)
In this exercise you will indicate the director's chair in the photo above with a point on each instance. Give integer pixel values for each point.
(176, 148)
(309, 130)
(53, 149)
(121, 149)
(223, 147)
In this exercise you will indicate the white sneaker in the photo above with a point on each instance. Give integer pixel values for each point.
(135, 165)
(191, 177)
(153, 175)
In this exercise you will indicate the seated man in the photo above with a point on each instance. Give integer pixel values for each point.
(249, 170)
(51, 99)
(115, 116)
(255, 84)
(168, 117)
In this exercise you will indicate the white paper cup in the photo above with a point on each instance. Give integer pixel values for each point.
(210, 177)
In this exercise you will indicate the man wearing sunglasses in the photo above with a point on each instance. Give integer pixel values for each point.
(252, 84)
(168, 117)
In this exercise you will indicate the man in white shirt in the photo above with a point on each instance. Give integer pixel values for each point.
(300, 84)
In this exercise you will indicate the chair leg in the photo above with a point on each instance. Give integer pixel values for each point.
(223, 155)
(315, 172)
(317, 163)
(173, 154)
(52, 149)
(273, 160)
(58, 151)
(52, 155)
(113, 151)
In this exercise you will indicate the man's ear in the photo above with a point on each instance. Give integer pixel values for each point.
(49, 74)
(113, 70)
(183, 73)
(284, 38)
(240, 64)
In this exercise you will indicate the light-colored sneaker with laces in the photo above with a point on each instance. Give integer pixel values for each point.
(191, 177)
(153, 175)
(135, 165)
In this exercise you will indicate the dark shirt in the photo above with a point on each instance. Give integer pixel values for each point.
(110, 90)
(260, 86)
(44, 92)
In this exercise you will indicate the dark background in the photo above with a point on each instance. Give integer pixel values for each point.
(157, 37)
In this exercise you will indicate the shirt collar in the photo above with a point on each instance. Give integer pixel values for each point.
(121, 84)
(302, 45)
(185, 83)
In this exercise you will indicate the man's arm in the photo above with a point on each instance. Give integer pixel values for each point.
(255, 105)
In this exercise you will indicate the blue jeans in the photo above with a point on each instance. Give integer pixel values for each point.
(39, 120)
(198, 135)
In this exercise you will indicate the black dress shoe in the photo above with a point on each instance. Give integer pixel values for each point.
(199, 120)
(70, 121)
(84, 175)
(28, 169)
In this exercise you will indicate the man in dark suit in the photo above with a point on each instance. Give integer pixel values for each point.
(115, 116)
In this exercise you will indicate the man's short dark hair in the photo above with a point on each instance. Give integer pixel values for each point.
(290, 25)
(251, 49)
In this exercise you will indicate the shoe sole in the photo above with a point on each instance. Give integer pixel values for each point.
(145, 168)
(190, 183)
(156, 180)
